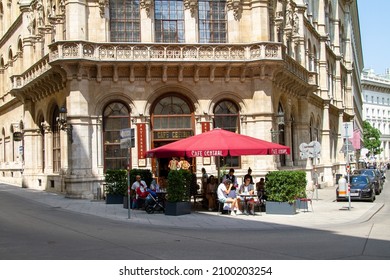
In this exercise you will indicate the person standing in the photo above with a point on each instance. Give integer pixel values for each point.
(230, 176)
(211, 193)
(249, 174)
(205, 180)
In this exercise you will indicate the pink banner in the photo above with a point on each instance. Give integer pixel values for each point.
(356, 139)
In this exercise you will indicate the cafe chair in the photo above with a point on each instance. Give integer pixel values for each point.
(305, 201)
(224, 207)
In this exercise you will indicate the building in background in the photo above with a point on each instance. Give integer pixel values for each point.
(73, 74)
(376, 107)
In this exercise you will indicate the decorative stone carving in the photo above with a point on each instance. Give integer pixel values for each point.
(236, 6)
(102, 7)
(291, 19)
(31, 22)
(191, 5)
(146, 4)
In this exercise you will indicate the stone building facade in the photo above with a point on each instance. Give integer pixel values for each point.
(171, 69)
(376, 107)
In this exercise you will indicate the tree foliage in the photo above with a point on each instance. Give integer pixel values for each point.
(371, 137)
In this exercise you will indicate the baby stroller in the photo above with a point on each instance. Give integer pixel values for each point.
(153, 203)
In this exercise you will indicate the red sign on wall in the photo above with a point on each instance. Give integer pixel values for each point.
(205, 126)
(141, 140)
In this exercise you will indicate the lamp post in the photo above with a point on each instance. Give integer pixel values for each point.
(62, 121)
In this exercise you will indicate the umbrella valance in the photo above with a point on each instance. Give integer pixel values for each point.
(218, 142)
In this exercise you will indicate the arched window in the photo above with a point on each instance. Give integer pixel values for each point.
(169, 21)
(172, 118)
(172, 112)
(116, 116)
(212, 21)
(314, 130)
(125, 25)
(56, 141)
(227, 116)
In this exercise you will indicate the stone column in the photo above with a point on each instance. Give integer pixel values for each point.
(76, 25)
(30, 137)
(77, 144)
(190, 19)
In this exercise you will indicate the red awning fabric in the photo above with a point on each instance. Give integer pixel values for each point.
(218, 142)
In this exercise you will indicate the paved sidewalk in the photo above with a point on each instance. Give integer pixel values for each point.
(326, 212)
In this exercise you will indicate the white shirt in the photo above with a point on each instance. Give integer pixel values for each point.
(221, 191)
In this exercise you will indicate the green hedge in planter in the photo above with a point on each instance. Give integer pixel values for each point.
(116, 181)
(179, 182)
(285, 186)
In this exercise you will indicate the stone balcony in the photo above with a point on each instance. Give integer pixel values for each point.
(262, 58)
(165, 52)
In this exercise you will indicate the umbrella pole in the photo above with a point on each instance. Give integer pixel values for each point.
(218, 169)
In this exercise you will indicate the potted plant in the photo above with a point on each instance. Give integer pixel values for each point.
(178, 193)
(283, 188)
(116, 185)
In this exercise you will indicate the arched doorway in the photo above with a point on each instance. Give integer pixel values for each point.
(172, 118)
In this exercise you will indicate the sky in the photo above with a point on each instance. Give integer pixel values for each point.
(374, 19)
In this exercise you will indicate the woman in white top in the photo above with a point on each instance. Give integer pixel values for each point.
(248, 189)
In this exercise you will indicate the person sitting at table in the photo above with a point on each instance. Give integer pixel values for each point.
(142, 193)
(223, 191)
(260, 187)
(248, 189)
(139, 187)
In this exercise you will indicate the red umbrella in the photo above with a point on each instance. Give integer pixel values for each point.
(218, 142)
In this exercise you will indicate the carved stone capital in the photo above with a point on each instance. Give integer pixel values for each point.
(146, 4)
(102, 7)
(236, 6)
(191, 5)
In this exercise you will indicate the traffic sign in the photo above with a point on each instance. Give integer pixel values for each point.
(127, 138)
(311, 150)
(347, 147)
(127, 133)
(347, 130)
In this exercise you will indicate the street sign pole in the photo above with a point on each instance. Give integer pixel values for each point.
(348, 168)
(128, 183)
(316, 174)
(127, 142)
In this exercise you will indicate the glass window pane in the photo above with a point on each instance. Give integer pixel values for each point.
(169, 21)
(116, 117)
(212, 19)
(125, 21)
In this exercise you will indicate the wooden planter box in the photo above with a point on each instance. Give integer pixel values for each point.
(114, 199)
(280, 208)
(177, 208)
